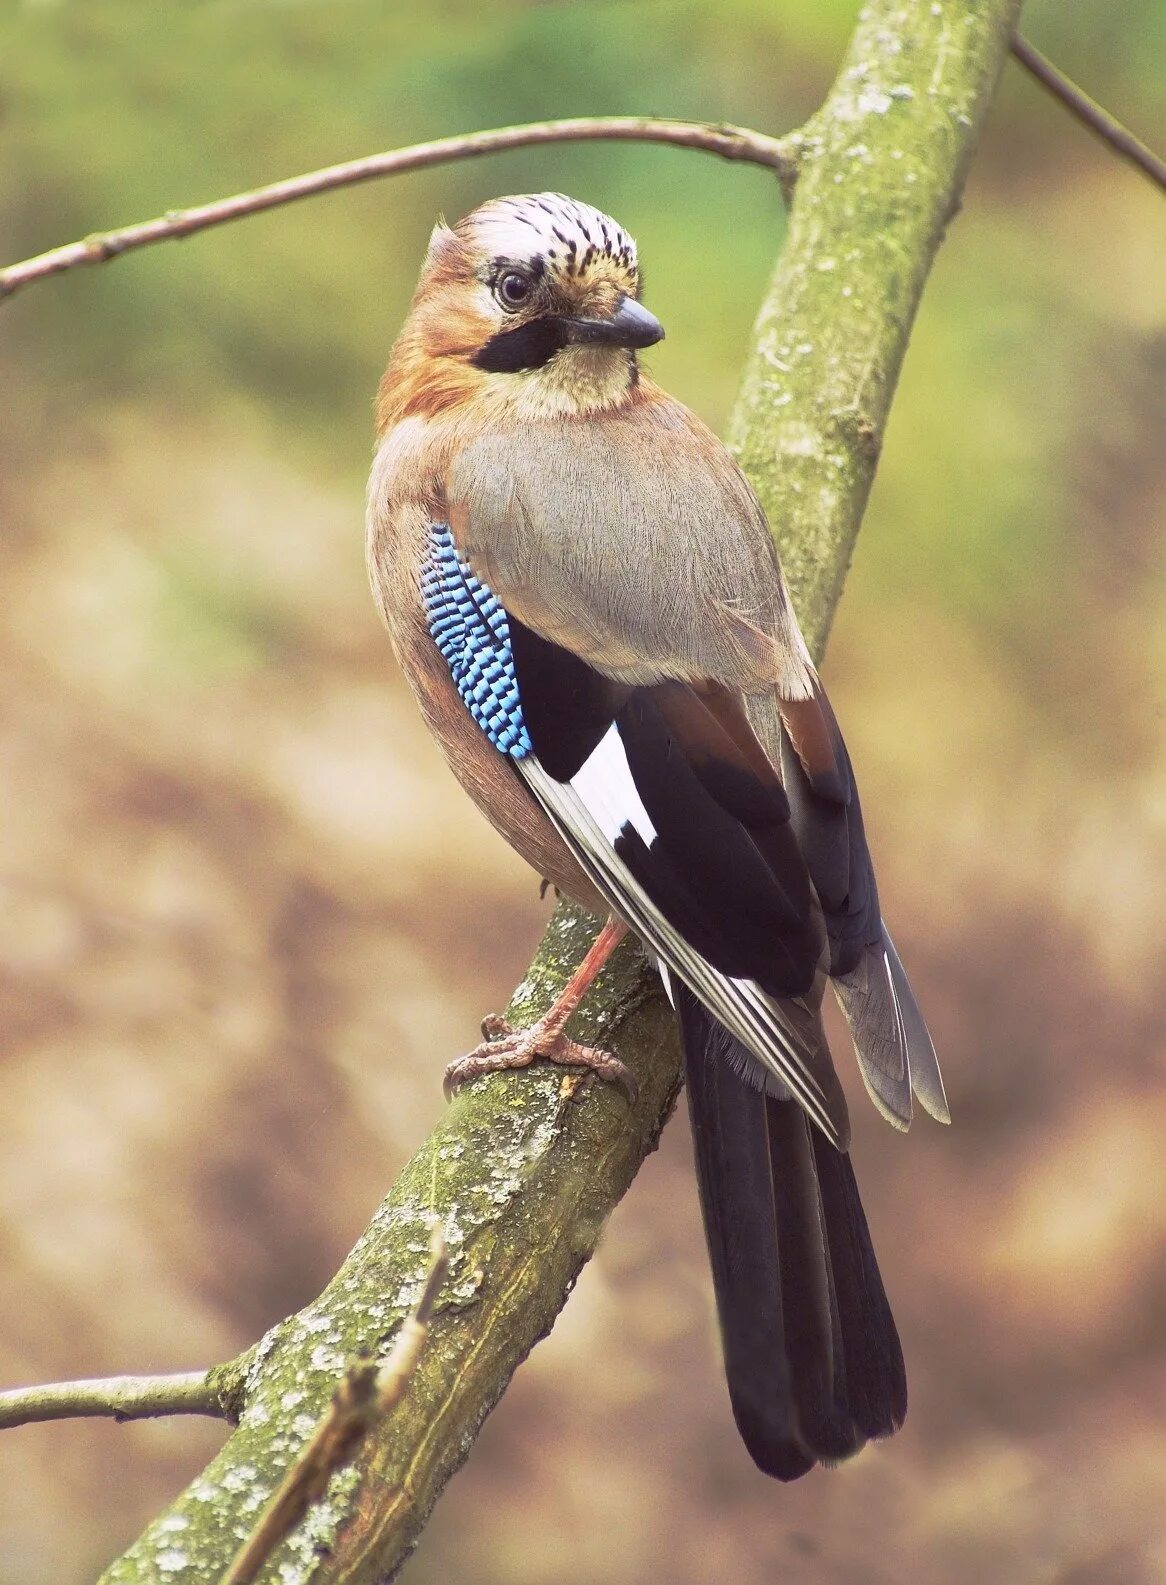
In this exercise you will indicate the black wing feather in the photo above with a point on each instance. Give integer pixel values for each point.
(827, 817)
(567, 705)
(761, 923)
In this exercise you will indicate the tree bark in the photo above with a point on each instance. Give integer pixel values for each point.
(524, 1169)
(881, 175)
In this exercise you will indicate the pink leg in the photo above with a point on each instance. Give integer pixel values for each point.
(505, 1048)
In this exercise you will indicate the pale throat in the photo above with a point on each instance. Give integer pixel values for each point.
(576, 381)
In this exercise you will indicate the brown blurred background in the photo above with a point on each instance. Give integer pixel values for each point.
(246, 916)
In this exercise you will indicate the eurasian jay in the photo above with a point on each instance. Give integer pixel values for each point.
(582, 590)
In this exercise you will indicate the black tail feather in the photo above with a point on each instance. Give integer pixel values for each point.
(812, 1356)
(875, 1394)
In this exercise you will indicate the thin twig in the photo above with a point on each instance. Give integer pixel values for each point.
(731, 143)
(1099, 121)
(120, 1397)
(365, 1395)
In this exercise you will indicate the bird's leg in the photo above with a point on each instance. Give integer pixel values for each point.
(508, 1048)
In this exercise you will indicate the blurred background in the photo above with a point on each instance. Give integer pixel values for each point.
(246, 916)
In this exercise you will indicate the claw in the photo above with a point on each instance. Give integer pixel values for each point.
(504, 1048)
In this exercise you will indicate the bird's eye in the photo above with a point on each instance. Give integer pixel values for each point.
(513, 289)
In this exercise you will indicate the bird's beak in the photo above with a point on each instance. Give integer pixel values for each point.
(630, 326)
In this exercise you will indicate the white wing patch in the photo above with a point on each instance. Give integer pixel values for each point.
(604, 783)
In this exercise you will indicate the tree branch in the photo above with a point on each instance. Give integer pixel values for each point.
(118, 1397)
(524, 1168)
(1092, 115)
(882, 174)
(521, 1172)
(365, 1395)
(731, 143)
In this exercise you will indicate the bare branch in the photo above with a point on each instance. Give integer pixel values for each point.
(118, 1397)
(1099, 121)
(731, 143)
(365, 1395)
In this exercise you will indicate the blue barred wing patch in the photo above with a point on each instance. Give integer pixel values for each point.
(468, 624)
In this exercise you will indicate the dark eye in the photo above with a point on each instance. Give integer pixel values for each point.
(513, 289)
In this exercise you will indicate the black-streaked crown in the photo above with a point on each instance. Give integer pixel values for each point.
(552, 231)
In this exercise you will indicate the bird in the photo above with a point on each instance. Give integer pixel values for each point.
(583, 591)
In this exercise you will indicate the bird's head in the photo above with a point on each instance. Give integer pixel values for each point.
(529, 304)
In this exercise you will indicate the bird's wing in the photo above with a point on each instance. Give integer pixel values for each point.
(894, 1050)
(895, 1053)
(686, 836)
(648, 615)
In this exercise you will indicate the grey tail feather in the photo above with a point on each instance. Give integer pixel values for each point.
(869, 1003)
(926, 1079)
(896, 1056)
(811, 1353)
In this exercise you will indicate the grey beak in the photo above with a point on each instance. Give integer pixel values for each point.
(630, 326)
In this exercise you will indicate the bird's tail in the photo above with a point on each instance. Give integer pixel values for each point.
(811, 1352)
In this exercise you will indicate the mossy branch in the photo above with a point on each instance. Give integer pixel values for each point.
(524, 1168)
(116, 1398)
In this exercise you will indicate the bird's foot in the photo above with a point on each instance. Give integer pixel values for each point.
(505, 1048)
